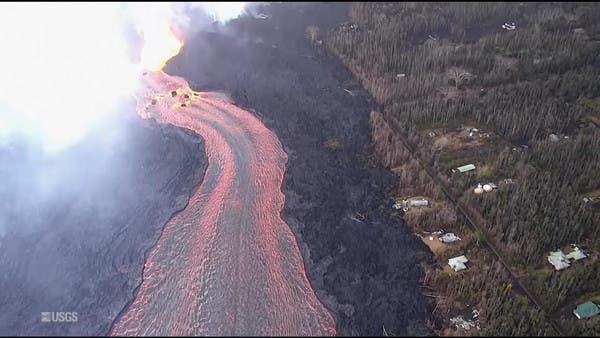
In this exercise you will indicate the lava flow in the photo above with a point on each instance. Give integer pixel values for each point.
(227, 264)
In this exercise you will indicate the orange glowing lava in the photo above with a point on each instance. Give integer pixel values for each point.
(160, 45)
(227, 264)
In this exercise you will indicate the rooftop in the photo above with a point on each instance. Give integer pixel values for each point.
(559, 260)
(458, 263)
(562, 261)
(419, 202)
(586, 310)
(576, 254)
(467, 167)
(449, 237)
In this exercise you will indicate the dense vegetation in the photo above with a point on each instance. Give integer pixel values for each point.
(488, 286)
(444, 65)
(503, 313)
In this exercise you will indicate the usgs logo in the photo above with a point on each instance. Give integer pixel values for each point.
(59, 317)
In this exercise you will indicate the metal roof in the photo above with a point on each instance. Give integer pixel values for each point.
(559, 260)
(458, 263)
(576, 254)
(450, 237)
(467, 167)
(419, 203)
(586, 310)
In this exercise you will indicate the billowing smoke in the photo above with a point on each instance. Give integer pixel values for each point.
(67, 65)
(221, 11)
(64, 67)
(69, 70)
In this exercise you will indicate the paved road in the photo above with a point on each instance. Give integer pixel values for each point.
(227, 264)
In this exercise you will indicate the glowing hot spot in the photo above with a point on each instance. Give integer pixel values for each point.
(160, 48)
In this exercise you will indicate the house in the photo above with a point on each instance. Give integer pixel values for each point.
(458, 263)
(419, 203)
(449, 238)
(586, 310)
(562, 261)
(559, 260)
(466, 324)
(576, 254)
(466, 168)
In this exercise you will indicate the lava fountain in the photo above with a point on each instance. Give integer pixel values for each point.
(227, 264)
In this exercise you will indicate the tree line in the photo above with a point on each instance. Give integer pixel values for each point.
(432, 64)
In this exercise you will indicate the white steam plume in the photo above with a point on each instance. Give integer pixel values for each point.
(66, 65)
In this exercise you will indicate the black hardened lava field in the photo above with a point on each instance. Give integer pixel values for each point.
(364, 271)
(76, 227)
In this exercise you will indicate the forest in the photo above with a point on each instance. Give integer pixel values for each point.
(436, 68)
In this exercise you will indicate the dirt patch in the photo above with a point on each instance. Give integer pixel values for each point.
(434, 244)
(459, 138)
(441, 143)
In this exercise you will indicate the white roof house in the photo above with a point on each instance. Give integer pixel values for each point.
(559, 260)
(576, 254)
(562, 261)
(419, 203)
(458, 263)
(449, 237)
(466, 168)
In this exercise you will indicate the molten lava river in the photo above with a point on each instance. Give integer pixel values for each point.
(227, 264)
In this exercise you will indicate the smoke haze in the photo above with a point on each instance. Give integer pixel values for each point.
(66, 65)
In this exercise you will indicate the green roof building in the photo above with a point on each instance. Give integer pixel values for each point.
(465, 168)
(586, 310)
